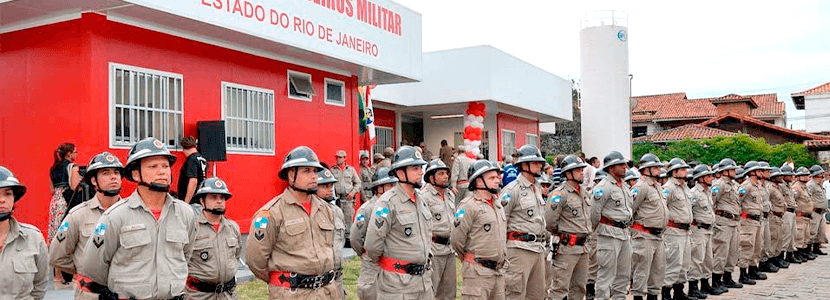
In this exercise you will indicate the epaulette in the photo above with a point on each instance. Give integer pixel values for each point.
(29, 226)
(77, 207)
(114, 206)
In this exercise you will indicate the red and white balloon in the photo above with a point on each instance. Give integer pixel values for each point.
(473, 128)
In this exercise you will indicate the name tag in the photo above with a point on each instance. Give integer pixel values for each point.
(294, 221)
(133, 227)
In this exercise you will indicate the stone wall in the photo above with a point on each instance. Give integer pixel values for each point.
(568, 136)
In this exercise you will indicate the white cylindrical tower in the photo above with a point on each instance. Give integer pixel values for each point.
(606, 111)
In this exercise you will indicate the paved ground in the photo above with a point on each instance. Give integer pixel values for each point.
(804, 281)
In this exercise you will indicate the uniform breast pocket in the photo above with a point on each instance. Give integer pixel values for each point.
(233, 247)
(617, 200)
(134, 242)
(438, 216)
(87, 229)
(328, 231)
(24, 273)
(175, 243)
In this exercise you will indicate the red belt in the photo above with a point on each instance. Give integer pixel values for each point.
(274, 277)
(656, 231)
(401, 266)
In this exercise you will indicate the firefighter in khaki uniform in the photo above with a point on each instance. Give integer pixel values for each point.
(524, 207)
(441, 203)
(776, 220)
(479, 236)
(725, 235)
(569, 218)
(790, 228)
(701, 240)
(399, 237)
(23, 255)
(291, 242)
(141, 245)
(751, 201)
(763, 240)
(365, 178)
(676, 237)
(367, 279)
(610, 217)
(804, 214)
(650, 218)
(346, 187)
(325, 184)
(817, 194)
(216, 251)
(67, 247)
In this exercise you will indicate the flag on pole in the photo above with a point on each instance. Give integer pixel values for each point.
(367, 117)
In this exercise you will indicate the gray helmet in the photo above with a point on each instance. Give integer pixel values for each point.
(381, 177)
(740, 172)
(649, 160)
(751, 166)
(7, 180)
(775, 171)
(630, 174)
(478, 168)
(764, 165)
(529, 153)
(701, 170)
(324, 176)
(600, 175)
(663, 173)
(103, 160)
(716, 168)
(571, 162)
(612, 159)
(786, 170)
(727, 164)
(544, 179)
(406, 156)
(301, 156)
(677, 163)
(143, 149)
(816, 170)
(433, 166)
(802, 171)
(212, 185)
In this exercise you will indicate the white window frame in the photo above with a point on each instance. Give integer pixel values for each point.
(377, 147)
(535, 139)
(503, 139)
(288, 85)
(342, 85)
(268, 123)
(166, 113)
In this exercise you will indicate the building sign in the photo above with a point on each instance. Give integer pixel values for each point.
(379, 34)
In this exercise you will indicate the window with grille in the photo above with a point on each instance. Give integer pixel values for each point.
(144, 103)
(249, 118)
(335, 93)
(532, 139)
(508, 142)
(384, 138)
(299, 86)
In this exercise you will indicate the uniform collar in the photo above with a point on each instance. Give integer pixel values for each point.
(676, 181)
(524, 182)
(94, 203)
(15, 231)
(201, 219)
(613, 180)
(478, 197)
(135, 201)
(699, 187)
(429, 188)
(289, 198)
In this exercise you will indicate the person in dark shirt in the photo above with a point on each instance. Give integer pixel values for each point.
(193, 170)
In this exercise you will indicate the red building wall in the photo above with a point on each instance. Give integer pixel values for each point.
(520, 125)
(386, 118)
(59, 92)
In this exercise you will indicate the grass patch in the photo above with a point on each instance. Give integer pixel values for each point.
(351, 268)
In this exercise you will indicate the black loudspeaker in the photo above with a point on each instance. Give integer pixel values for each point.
(212, 144)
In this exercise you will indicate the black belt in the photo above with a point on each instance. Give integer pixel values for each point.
(791, 209)
(778, 214)
(216, 288)
(702, 225)
(611, 222)
(521, 236)
(754, 217)
(441, 240)
(490, 264)
(766, 215)
(818, 210)
(298, 281)
(727, 215)
(683, 226)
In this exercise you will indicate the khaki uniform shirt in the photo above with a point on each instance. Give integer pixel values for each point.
(614, 202)
(525, 212)
(386, 162)
(215, 254)
(570, 212)
(649, 206)
(67, 247)
(25, 263)
(401, 229)
(751, 197)
(702, 205)
(442, 207)
(357, 235)
(459, 171)
(366, 180)
(135, 255)
(348, 181)
(284, 237)
(787, 192)
(817, 194)
(339, 240)
(678, 204)
(480, 230)
(776, 198)
(446, 155)
(764, 189)
(802, 198)
(725, 198)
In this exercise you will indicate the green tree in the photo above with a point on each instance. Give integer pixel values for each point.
(741, 148)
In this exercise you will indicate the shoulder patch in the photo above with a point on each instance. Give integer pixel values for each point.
(100, 229)
(506, 196)
(715, 190)
(261, 222)
(64, 226)
(598, 193)
(460, 214)
(741, 191)
(666, 192)
(635, 191)
(382, 211)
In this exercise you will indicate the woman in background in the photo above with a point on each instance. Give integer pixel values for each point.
(65, 178)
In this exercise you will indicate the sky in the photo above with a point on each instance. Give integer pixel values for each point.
(703, 48)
